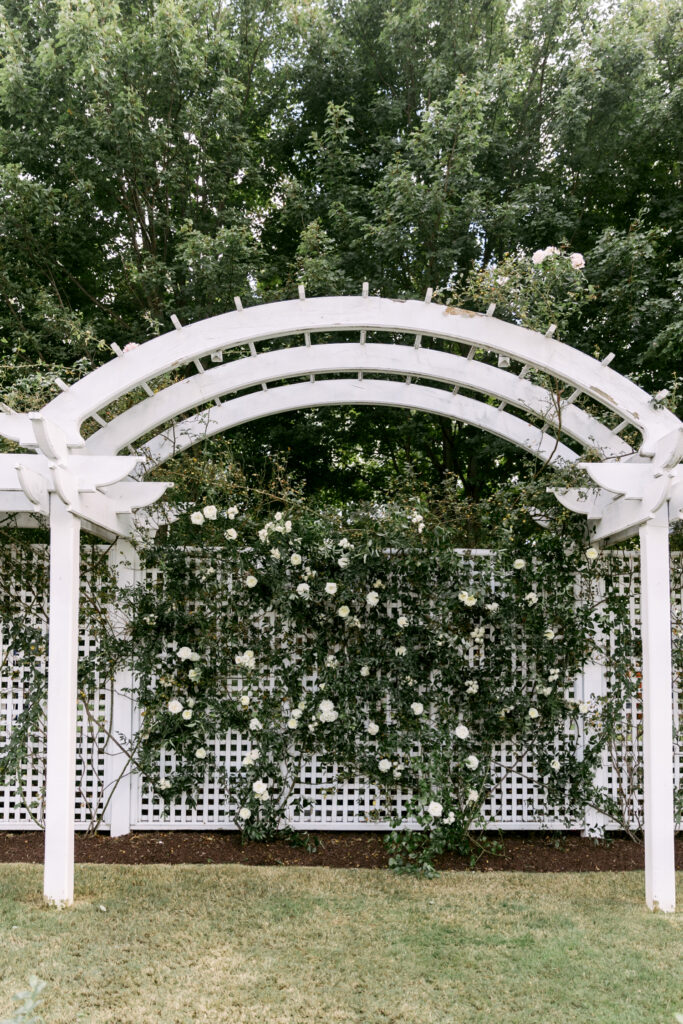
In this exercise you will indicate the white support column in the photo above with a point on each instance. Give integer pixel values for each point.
(594, 684)
(65, 530)
(655, 605)
(124, 561)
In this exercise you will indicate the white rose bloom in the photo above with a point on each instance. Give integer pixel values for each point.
(402, 621)
(331, 588)
(372, 599)
(592, 554)
(533, 713)
(275, 553)
(344, 543)
(555, 765)
(194, 673)
(538, 257)
(545, 690)
(255, 753)
(211, 512)
(365, 671)
(175, 707)
(343, 562)
(191, 702)
(531, 598)
(554, 674)
(255, 725)
(401, 651)
(263, 535)
(583, 709)
(435, 809)
(277, 517)
(417, 708)
(187, 714)
(194, 656)
(164, 784)
(471, 686)
(247, 659)
(296, 713)
(288, 526)
(461, 731)
(259, 787)
(200, 753)
(331, 660)
(384, 765)
(329, 716)
(577, 261)
(245, 813)
(295, 559)
(472, 796)
(245, 700)
(232, 511)
(518, 563)
(247, 760)
(472, 762)
(344, 611)
(549, 634)
(292, 723)
(372, 728)
(184, 653)
(478, 633)
(492, 607)
(251, 582)
(197, 518)
(230, 534)
(449, 819)
(303, 590)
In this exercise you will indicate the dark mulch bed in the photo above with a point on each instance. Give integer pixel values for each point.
(521, 851)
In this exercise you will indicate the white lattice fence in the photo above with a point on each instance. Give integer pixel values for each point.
(516, 799)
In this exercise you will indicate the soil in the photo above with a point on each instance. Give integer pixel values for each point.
(555, 851)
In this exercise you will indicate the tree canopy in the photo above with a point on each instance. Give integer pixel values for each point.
(162, 156)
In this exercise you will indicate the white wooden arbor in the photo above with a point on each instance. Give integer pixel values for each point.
(169, 393)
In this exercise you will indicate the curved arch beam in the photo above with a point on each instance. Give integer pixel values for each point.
(311, 394)
(350, 313)
(166, 404)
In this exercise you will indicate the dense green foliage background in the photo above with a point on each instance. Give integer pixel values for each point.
(162, 156)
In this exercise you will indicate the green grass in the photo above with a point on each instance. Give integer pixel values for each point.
(245, 945)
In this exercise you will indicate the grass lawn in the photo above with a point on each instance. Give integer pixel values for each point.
(255, 945)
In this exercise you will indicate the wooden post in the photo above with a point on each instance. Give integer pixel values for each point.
(123, 559)
(65, 529)
(658, 784)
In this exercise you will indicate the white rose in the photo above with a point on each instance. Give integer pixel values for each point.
(533, 713)
(492, 607)
(472, 762)
(245, 700)
(194, 673)
(401, 651)
(472, 796)
(197, 518)
(288, 526)
(296, 713)
(384, 765)
(326, 705)
(583, 708)
(577, 261)
(449, 819)
(275, 553)
(343, 562)
(344, 611)
(331, 661)
(592, 554)
(200, 753)
(331, 588)
(417, 708)
(372, 599)
(402, 621)
(461, 731)
(211, 512)
(259, 787)
(184, 653)
(187, 714)
(329, 716)
(295, 559)
(372, 728)
(245, 813)
(435, 809)
(277, 517)
(545, 690)
(251, 581)
(518, 563)
(549, 634)
(255, 725)
(531, 598)
(255, 753)
(175, 707)
(555, 765)
(365, 671)
(230, 534)
(232, 511)
(303, 590)
(193, 656)
(344, 543)
(263, 535)
(292, 723)
(164, 784)
(538, 256)
(471, 686)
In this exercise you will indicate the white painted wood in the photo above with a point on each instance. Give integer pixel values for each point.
(658, 784)
(354, 313)
(124, 562)
(403, 360)
(354, 392)
(61, 704)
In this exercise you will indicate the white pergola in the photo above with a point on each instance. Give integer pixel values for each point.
(202, 379)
